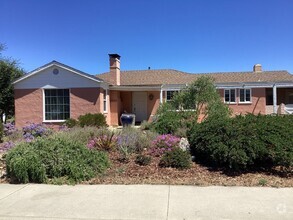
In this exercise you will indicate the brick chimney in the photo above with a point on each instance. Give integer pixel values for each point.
(115, 68)
(257, 68)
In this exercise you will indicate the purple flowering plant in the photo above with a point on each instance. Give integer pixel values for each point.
(163, 143)
(4, 147)
(34, 130)
(9, 129)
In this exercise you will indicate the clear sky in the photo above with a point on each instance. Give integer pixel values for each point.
(187, 35)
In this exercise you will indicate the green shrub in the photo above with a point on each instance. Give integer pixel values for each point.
(145, 125)
(54, 157)
(143, 160)
(176, 158)
(244, 141)
(89, 119)
(71, 122)
(24, 165)
(169, 120)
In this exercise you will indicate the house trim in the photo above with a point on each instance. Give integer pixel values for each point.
(60, 65)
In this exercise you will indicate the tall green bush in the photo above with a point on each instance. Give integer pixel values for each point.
(244, 141)
(54, 157)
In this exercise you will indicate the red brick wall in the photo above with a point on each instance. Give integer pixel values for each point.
(115, 108)
(258, 104)
(84, 100)
(153, 105)
(28, 106)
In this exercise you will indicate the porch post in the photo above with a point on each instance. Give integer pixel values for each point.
(161, 96)
(275, 99)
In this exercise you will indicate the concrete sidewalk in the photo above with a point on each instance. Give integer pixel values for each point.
(143, 202)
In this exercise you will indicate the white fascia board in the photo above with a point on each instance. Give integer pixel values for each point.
(254, 85)
(135, 88)
(173, 87)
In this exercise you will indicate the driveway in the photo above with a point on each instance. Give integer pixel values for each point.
(36, 202)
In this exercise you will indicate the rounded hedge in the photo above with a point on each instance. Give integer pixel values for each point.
(244, 142)
(54, 157)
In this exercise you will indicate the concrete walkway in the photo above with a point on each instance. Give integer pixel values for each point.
(143, 202)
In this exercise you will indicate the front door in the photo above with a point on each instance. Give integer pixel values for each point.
(139, 106)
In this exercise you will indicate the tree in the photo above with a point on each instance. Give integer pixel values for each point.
(9, 71)
(203, 97)
(199, 101)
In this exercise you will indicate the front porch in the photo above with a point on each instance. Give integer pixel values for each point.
(279, 100)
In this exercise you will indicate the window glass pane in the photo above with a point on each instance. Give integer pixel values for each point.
(66, 108)
(66, 100)
(60, 92)
(60, 100)
(66, 115)
(48, 116)
(66, 92)
(170, 95)
(53, 92)
(232, 95)
(57, 104)
(47, 101)
(47, 92)
(241, 95)
(227, 95)
(248, 95)
(53, 100)
(105, 106)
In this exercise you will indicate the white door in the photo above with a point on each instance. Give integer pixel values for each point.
(139, 105)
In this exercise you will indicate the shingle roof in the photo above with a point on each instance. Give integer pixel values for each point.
(169, 76)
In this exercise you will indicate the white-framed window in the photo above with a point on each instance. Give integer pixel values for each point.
(170, 94)
(56, 104)
(244, 95)
(105, 100)
(230, 95)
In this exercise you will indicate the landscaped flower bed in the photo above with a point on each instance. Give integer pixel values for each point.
(135, 156)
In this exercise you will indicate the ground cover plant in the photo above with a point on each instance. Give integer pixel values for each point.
(140, 166)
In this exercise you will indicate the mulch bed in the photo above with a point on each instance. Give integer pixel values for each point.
(131, 173)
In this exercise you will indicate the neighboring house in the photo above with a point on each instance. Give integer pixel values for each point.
(55, 92)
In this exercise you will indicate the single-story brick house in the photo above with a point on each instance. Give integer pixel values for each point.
(55, 92)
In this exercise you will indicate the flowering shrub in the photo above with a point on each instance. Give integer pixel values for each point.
(9, 129)
(105, 141)
(33, 130)
(163, 143)
(4, 147)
